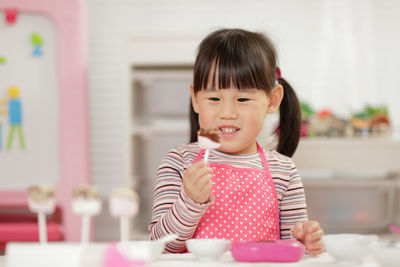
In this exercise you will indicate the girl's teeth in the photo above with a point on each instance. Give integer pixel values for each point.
(228, 130)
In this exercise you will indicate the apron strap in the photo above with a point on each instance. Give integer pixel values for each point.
(198, 158)
(263, 158)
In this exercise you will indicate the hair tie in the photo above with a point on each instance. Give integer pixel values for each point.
(278, 73)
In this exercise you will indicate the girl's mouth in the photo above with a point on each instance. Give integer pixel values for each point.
(228, 130)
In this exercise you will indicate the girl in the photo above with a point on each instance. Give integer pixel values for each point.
(244, 192)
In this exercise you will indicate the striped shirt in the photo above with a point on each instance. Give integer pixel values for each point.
(174, 212)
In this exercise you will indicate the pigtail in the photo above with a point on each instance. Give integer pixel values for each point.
(194, 124)
(289, 121)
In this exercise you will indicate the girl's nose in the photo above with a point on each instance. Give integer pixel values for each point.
(228, 110)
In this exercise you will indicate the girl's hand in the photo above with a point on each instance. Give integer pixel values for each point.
(197, 182)
(310, 233)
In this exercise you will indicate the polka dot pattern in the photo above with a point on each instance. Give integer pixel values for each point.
(245, 207)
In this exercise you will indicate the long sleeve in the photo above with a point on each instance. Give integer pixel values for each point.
(173, 211)
(293, 204)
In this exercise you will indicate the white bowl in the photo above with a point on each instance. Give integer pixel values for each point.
(387, 255)
(349, 248)
(208, 249)
(145, 250)
(141, 250)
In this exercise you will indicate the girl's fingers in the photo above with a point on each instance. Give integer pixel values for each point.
(315, 235)
(314, 243)
(202, 181)
(194, 168)
(206, 187)
(316, 252)
(196, 171)
(189, 172)
(298, 231)
(202, 189)
(311, 226)
(205, 171)
(319, 246)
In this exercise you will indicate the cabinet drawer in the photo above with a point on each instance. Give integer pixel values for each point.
(346, 205)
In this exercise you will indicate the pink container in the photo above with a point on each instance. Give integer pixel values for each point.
(268, 251)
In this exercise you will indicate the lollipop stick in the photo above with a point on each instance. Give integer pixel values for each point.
(85, 229)
(124, 228)
(206, 156)
(42, 228)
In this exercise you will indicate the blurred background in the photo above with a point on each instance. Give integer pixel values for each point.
(341, 57)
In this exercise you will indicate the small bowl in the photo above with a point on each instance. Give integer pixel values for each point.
(208, 249)
(141, 250)
(349, 248)
(387, 254)
(145, 250)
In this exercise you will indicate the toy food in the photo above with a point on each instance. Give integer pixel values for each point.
(124, 204)
(41, 201)
(86, 201)
(208, 139)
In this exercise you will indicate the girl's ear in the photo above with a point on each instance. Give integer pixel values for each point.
(194, 99)
(275, 99)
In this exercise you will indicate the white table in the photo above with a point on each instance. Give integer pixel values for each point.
(186, 260)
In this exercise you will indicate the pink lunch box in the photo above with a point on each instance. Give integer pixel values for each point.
(268, 251)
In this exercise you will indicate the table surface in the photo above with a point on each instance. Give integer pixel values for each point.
(188, 259)
(184, 260)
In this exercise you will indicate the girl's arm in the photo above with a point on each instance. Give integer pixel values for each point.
(293, 208)
(294, 221)
(173, 211)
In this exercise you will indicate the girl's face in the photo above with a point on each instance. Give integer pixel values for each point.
(238, 114)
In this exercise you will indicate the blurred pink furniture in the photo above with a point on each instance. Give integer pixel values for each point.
(17, 223)
(69, 20)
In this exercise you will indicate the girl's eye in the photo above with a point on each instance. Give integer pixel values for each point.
(213, 98)
(242, 99)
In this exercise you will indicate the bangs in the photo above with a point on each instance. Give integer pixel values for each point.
(237, 62)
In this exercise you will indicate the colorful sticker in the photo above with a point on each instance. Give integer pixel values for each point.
(36, 39)
(3, 60)
(11, 16)
(37, 42)
(37, 51)
(14, 112)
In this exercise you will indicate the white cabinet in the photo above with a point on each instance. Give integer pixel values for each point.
(351, 184)
(160, 99)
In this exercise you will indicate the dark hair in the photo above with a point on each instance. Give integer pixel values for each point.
(246, 60)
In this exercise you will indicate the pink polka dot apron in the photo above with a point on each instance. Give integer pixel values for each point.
(246, 204)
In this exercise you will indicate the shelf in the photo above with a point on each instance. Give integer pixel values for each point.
(166, 126)
(351, 140)
(372, 174)
(372, 154)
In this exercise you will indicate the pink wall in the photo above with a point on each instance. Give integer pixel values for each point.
(69, 16)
